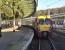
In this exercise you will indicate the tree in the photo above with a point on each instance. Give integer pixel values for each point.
(24, 8)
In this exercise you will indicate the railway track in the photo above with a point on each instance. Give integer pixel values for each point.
(34, 45)
(40, 44)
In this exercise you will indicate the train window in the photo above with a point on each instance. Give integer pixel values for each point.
(41, 21)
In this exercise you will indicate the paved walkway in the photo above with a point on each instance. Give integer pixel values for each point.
(16, 40)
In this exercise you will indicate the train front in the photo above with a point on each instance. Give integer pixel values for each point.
(44, 26)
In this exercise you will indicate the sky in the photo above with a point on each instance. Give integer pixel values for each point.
(46, 4)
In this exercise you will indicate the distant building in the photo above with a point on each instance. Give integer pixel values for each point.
(52, 11)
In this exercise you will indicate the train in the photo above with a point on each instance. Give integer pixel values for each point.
(43, 26)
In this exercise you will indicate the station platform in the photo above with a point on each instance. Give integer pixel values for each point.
(18, 40)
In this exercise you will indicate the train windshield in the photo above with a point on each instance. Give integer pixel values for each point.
(46, 21)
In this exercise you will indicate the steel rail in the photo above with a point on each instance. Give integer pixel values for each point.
(51, 44)
(39, 44)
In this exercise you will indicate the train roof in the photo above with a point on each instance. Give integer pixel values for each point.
(44, 17)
